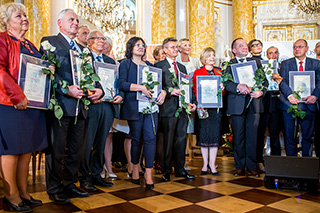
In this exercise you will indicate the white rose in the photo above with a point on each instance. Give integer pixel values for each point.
(52, 49)
(146, 69)
(271, 61)
(86, 51)
(46, 45)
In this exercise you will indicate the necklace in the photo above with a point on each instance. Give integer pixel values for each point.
(25, 43)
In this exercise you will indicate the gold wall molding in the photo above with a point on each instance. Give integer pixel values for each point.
(163, 20)
(2, 2)
(38, 13)
(290, 32)
(201, 25)
(242, 19)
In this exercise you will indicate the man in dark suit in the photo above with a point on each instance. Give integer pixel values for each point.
(98, 123)
(299, 63)
(63, 157)
(244, 121)
(174, 128)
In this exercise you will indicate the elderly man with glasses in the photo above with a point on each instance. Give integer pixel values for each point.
(99, 121)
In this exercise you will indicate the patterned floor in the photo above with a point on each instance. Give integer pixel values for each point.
(204, 194)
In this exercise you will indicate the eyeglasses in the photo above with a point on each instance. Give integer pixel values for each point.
(256, 45)
(140, 45)
(300, 47)
(99, 38)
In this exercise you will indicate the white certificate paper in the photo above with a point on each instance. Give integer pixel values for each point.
(107, 80)
(35, 83)
(154, 77)
(302, 83)
(209, 91)
(246, 75)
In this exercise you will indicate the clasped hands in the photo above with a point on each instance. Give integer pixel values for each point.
(308, 100)
(161, 97)
(245, 90)
(77, 93)
(177, 92)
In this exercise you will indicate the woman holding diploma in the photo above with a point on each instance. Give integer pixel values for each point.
(132, 110)
(209, 129)
(22, 130)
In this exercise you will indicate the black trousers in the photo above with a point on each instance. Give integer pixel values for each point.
(98, 123)
(317, 134)
(245, 130)
(64, 153)
(174, 141)
(272, 121)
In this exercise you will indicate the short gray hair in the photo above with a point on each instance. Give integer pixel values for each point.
(63, 12)
(93, 34)
(109, 40)
(6, 13)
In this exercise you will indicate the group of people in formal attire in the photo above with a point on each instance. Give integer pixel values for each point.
(79, 151)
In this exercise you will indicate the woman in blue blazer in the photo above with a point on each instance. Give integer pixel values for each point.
(131, 110)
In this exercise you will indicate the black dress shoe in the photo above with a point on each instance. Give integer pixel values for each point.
(185, 175)
(204, 172)
(88, 186)
(135, 181)
(59, 198)
(238, 172)
(74, 191)
(21, 207)
(100, 182)
(149, 186)
(32, 202)
(166, 177)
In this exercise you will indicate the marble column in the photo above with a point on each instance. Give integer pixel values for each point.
(38, 13)
(242, 19)
(163, 20)
(201, 25)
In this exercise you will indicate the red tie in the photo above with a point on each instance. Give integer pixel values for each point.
(175, 68)
(300, 67)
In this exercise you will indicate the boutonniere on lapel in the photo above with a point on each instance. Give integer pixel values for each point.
(49, 56)
(88, 77)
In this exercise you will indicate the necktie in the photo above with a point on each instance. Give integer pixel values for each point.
(98, 58)
(73, 46)
(175, 68)
(241, 60)
(300, 67)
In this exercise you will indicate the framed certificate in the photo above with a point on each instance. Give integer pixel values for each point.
(108, 75)
(243, 73)
(35, 85)
(273, 85)
(76, 62)
(184, 85)
(144, 72)
(207, 91)
(302, 82)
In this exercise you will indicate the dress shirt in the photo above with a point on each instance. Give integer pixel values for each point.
(170, 62)
(298, 64)
(95, 57)
(238, 59)
(69, 40)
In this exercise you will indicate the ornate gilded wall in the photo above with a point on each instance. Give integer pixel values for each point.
(5, 1)
(38, 13)
(163, 20)
(242, 19)
(201, 25)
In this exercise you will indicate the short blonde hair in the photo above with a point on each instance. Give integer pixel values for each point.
(181, 41)
(6, 13)
(205, 54)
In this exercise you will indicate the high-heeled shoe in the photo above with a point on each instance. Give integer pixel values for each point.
(32, 202)
(149, 186)
(108, 174)
(21, 207)
(135, 181)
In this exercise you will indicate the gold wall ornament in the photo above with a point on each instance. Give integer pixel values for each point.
(2, 2)
(201, 25)
(38, 13)
(163, 20)
(242, 19)
(309, 7)
(111, 16)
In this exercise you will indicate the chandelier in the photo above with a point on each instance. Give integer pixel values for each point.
(111, 16)
(309, 7)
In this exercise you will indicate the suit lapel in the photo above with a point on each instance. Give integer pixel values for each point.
(64, 42)
(293, 65)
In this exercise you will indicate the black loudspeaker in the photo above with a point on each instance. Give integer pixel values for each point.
(299, 173)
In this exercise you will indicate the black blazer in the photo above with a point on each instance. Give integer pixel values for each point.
(236, 102)
(291, 65)
(67, 103)
(171, 103)
(128, 75)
